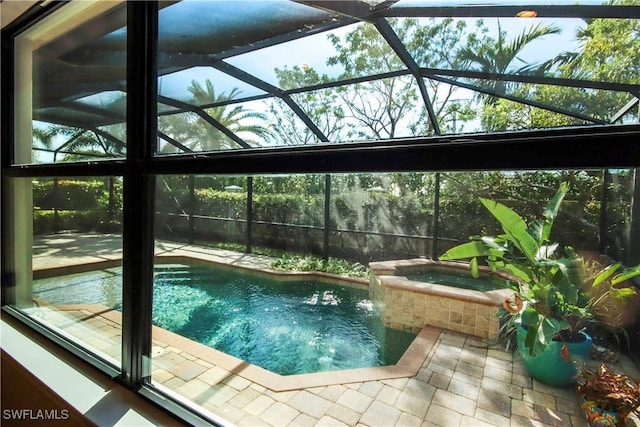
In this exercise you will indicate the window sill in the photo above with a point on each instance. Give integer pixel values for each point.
(81, 386)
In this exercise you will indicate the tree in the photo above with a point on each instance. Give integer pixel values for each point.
(500, 56)
(609, 51)
(392, 107)
(197, 134)
(318, 105)
(378, 109)
(80, 144)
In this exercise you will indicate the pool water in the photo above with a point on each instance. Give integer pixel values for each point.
(287, 327)
(454, 278)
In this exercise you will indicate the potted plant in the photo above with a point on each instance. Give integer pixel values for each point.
(549, 306)
(608, 397)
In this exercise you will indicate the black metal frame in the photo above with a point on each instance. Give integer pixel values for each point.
(138, 191)
(579, 147)
(350, 12)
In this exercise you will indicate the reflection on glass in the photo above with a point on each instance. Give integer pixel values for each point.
(70, 71)
(67, 276)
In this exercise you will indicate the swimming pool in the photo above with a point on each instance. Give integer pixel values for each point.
(288, 327)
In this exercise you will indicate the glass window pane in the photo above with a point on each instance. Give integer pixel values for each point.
(352, 51)
(65, 236)
(70, 73)
(513, 105)
(229, 308)
(375, 110)
(195, 27)
(204, 85)
(227, 127)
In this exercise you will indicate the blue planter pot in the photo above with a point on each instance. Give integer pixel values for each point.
(549, 367)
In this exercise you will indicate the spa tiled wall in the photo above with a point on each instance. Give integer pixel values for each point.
(411, 311)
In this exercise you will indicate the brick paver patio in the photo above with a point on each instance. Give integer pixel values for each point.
(462, 381)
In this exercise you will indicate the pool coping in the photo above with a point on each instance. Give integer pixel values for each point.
(407, 366)
(391, 274)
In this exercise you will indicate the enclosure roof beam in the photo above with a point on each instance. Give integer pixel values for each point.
(624, 110)
(58, 151)
(114, 116)
(69, 141)
(275, 91)
(542, 11)
(174, 142)
(359, 10)
(528, 78)
(315, 28)
(108, 136)
(519, 100)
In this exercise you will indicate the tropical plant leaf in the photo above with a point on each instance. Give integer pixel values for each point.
(473, 266)
(519, 271)
(514, 227)
(551, 211)
(548, 328)
(622, 293)
(466, 250)
(605, 273)
(627, 274)
(530, 317)
(567, 280)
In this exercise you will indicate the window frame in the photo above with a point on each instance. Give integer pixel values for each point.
(614, 146)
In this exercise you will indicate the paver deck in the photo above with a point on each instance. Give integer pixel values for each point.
(462, 381)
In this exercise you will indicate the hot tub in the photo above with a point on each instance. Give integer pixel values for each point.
(410, 304)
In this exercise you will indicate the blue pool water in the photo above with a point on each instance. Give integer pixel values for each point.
(288, 327)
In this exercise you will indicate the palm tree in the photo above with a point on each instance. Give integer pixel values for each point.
(500, 55)
(235, 117)
(80, 144)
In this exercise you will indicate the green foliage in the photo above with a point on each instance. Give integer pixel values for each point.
(501, 56)
(337, 266)
(609, 51)
(547, 280)
(83, 205)
(68, 194)
(49, 221)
